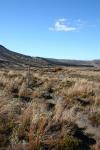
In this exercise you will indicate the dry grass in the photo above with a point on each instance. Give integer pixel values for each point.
(46, 109)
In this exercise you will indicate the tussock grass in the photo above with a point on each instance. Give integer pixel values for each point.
(46, 108)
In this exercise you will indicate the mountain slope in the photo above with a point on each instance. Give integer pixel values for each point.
(67, 62)
(12, 59)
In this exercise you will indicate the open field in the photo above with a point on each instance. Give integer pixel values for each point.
(50, 109)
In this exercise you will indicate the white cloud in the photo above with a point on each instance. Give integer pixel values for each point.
(80, 23)
(84, 24)
(62, 19)
(65, 25)
(61, 25)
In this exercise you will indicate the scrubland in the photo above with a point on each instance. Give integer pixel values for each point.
(50, 109)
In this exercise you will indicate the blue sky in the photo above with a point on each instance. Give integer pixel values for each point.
(51, 28)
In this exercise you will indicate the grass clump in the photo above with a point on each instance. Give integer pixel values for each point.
(69, 143)
(6, 127)
(95, 119)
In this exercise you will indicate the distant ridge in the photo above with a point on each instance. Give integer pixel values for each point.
(9, 58)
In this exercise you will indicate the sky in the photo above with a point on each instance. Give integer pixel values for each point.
(65, 29)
